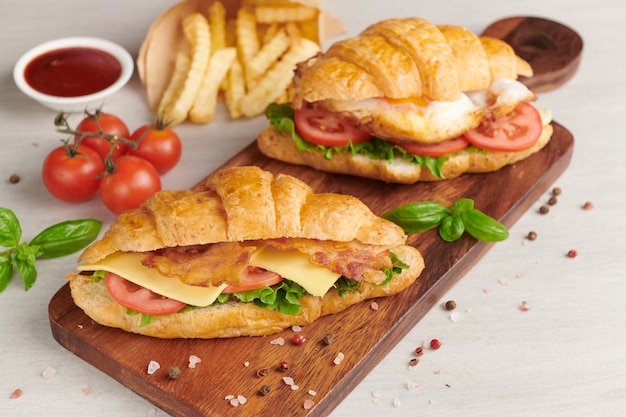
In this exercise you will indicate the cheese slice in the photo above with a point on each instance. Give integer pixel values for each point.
(290, 264)
(295, 266)
(129, 266)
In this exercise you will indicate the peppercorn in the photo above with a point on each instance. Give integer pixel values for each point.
(552, 201)
(298, 339)
(556, 191)
(419, 351)
(174, 372)
(544, 209)
(328, 339)
(265, 389)
(435, 344)
(14, 179)
(450, 305)
(261, 372)
(283, 366)
(414, 362)
(532, 235)
(588, 205)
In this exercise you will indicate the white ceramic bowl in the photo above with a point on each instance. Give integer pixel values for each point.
(80, 103)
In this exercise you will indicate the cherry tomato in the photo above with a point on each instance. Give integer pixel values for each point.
(514, 132)
(446, 147)
(158, 144)
(72, 173)
(138, 298)
(253, 278)
(130, 182)
(326, 129)
(108, 124)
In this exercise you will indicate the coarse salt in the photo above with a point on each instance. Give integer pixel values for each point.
(396, 402)
(87, 391)
(312, 393)
(49, 372)
(278, 341)
(505, 282)
(296, 329)
(193, 361)
(456, 316)
(288, 380)
(242, 399)
(524, 306)
(246, 364)
(412, 385)
(374, 306)
(153, 366)
(308, 404)
(338, 358)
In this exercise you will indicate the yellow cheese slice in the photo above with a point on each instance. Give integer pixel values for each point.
(295, 266)
(128, 265)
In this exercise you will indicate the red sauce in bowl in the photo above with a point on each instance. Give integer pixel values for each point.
(72, 72)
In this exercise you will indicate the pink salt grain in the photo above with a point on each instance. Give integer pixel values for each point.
(16, 394)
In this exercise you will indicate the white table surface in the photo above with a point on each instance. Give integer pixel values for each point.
(565, 356)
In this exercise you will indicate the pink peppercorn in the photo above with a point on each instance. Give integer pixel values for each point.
(572, 253)
(435, 344)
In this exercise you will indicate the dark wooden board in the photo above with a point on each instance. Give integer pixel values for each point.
(363, 334)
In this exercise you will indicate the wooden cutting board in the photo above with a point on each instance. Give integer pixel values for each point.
(362, 334)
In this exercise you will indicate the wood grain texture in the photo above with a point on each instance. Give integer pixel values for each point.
(362, 334)
(552, 49)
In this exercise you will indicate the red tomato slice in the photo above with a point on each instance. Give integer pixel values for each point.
(138, 298)
(326, 129)
(253, 278)
(514, 132)
(446, 147)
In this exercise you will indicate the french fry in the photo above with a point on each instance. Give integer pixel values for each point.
(247, 38)
(295, 13)
(269, 53)
(181, 68)
(217, 25)
(196, 29)
(277, 79)
(235, 89)
(203, 109)
(267, 32)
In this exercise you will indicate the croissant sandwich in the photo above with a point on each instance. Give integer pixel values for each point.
(408, 101)
(245, 253)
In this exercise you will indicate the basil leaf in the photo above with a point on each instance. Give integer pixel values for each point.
(462, 205)
(6, 270)
(483, 227)
(67, 237)
(25, 256)
(417, 217)
(10, 229)
(451, 228)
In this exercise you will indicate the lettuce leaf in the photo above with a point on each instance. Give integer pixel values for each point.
(281, 117)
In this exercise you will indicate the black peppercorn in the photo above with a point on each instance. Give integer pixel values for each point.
(450, 305)
(174, 372)
(544, 209)
(265, 389)
(532, 235)
(328, 339)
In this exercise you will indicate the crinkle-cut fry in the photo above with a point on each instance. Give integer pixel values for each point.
(267, 55)
(217, 25)
(267, 32)
(181, 68)
(203, 109)
(235, 89)
(196, 29)
(278, 78)
(246, 35)
(295, 13)
(293, 30)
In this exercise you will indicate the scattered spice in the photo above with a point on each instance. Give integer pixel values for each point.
(374, 306)
(338, 358)
(16, 394)
(435, 344)
(49, 372)
(450, 305)
(174, 372)
(588, 205)
(556, 191)
(153, 366)
(532, 235)
(87, 391)
(298, 339)
(312, 393)
(328, 339)
(308, 404)
(552, 200)
(235, 401)
(419, 351)
(193, 361)
(572, 253)
(396, 402)
(283, 366)
(291, 383)
(413, 362)
(278, 341)
(524, 306)
(544, 209)
(261, 372)
(265, 389)
(296, 328)
(14, 179)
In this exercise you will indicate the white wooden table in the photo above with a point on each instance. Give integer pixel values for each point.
(565, 356)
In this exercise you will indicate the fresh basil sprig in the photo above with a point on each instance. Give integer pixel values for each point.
(452, 222)
(55, 241)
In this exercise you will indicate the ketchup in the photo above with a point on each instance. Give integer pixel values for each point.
(72, 72)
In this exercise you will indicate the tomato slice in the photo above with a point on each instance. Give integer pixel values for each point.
(327, 129)
(514, 132)
(138, 298)
(446, 147)
(253, 278)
